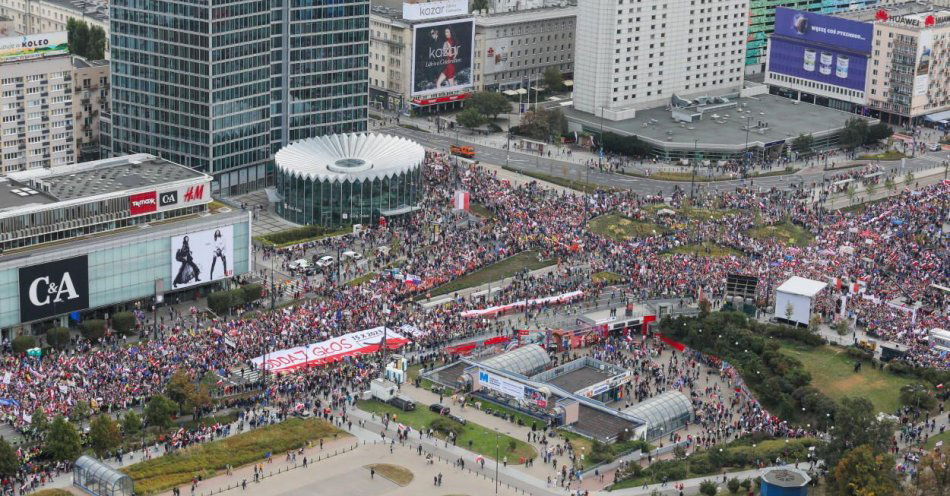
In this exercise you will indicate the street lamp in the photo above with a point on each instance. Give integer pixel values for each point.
(496, 462)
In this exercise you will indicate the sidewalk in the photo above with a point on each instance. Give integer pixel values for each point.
(922, 178)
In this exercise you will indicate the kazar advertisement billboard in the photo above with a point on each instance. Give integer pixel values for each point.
(442, 61)
(820, 48)
(33, 46)
(202, 256)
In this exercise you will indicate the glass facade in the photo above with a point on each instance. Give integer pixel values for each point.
(335, 203)
(219, 86)
(122, 268)
(664, 413)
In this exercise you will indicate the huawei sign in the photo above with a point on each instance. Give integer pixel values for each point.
(143, 203)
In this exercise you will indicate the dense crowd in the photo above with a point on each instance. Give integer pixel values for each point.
(880, 263)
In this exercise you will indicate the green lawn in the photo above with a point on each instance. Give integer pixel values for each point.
(945, 437)
(297, 235)
(786, 232)
(481, 210)
(608, 277)
(704, 249)
(701, 176)
(52, 492)
(609, 452)
(481, 438)
(832, 373)
(622, 228)
(888, 155)
(495, 272)
(163, 473)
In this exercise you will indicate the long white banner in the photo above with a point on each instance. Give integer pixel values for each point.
(331, 350)
(561, 298)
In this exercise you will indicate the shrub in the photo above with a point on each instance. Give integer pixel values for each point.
(58, 337)
(252, 292)
(446, 426)
(23, 343)
(858, 353)
(124, 323)
(733, 485)
(746, 484)
(708, 488)
(295, 234)
(94, 329)
(221, 301)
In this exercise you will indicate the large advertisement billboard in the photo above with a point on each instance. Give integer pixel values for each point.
(434, 9)
(924, 60)
(54, 288)
(442, 58)
(820, 48)
(33, 46)
(202, 256)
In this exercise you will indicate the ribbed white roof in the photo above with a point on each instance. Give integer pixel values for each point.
(350, 157)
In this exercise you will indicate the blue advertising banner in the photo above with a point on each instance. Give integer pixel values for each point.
(831, 31)
(816, 63)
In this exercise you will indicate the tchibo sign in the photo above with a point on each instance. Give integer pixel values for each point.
(434, 10)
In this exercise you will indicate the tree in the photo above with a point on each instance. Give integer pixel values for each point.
(180, 388)
(543, 124)
(708, 488)
(870, 188)
(22, 343)
(851, 192)
(62, 442)
(94, 329)
(854, 134)
(39, 422)
(878, 132)
(124, 323)
(9, 463)
(733, 485)
(933, 474)
(131, 423)
(104, 435)
(480, 5)
(58, 337)
(489, 103)
(704, 307)
(85, 41)
(890, 184)
(814, 322)
(470, 118)
(80, 412)
(842, 327)
(199, 399)
(856, 424)
(866, 472)
(159, 411)
(630, 146)
(553, 79)
(918, 396)
(908, 179)
(803, 144)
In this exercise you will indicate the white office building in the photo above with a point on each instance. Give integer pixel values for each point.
(636, 54)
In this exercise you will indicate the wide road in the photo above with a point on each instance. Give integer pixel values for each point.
(578, 172)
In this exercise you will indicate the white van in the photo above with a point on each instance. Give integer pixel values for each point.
(350, 254)
(300, 264)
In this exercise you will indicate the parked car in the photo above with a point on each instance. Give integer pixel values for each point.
(325, 261)
(458, 419)
(351, 255)
(300, 264)
(934, 147)
(403, 403)
(440, 409)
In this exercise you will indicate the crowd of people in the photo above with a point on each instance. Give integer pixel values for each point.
(894, 250)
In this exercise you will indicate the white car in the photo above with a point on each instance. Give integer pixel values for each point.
(351, 255)
(934, 147)
(325, 261)
(300, 264)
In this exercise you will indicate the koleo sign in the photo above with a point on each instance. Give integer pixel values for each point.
(331, 350)
(54, 288)
(434, 10)
(143, 203)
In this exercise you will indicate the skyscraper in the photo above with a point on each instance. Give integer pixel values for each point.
(221, 86)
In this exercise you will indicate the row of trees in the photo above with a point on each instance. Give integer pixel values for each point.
(856, 133)
(85, 41)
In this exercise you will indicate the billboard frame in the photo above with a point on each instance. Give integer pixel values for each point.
(471, 56)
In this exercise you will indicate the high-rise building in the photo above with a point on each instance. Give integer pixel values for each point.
(636, 54)
(221, 88)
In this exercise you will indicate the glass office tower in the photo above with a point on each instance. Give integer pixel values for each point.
(221, 86)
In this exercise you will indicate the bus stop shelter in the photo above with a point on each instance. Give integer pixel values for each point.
(99, 479)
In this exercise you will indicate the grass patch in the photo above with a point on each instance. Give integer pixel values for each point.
(398, 475)
(414, 128)
(361, 279)
(888, 155)
(832, 373)
(297, 235)
(515, 416)
(160, 474)
(52, 492)
(596, 453)
(481, 210)
(786, 232)
(495, 272)
(472, 436)
(564, 182)
(206, 421)
(705, 250)
(845, 167)
(701, 177)
(933, 440)
(607, 277)
(622, 228)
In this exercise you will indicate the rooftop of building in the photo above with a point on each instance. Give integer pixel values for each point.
(82, 63)
(88, 179)
(786, 477)
(350, 157)
(97, 10)
(392, 9)
(724, 126)
(913, 10)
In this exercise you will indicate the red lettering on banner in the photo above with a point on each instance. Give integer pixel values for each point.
(195, 193)
(143, 203)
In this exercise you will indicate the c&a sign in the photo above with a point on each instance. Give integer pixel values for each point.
(54, 288)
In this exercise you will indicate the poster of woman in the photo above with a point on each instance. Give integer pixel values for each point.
(442, 61)
(202, 256)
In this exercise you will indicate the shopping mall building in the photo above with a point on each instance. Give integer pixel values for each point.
(86, 240)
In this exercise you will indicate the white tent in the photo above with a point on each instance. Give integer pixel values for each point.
(797, 293)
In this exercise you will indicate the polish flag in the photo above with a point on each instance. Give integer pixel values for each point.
(461, 200)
